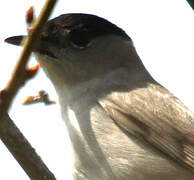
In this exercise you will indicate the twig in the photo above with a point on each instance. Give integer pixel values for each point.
(19, 74)
(42, 97)
(23, 151)
(9, 133)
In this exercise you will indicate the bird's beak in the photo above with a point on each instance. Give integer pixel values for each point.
(15, 40)
(40, 47)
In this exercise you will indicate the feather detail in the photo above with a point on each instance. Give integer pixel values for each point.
(156, 116)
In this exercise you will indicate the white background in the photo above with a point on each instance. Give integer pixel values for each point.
(163, 33)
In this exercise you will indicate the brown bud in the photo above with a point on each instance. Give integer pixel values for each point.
(31, 71)
(30, 15)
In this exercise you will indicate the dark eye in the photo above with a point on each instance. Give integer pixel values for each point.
(80, 37)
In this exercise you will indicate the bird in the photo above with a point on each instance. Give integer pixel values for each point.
(122, 124)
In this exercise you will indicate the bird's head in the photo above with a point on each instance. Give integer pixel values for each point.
(78, 47)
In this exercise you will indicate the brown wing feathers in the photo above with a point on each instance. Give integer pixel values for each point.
(157, 116)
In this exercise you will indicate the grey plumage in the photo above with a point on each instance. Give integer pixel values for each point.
(122, 124)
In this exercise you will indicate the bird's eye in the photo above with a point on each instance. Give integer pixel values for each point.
(80, 37)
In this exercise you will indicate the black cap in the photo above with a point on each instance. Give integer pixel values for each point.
(80, 28)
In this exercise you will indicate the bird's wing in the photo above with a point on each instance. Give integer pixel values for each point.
(153, 113)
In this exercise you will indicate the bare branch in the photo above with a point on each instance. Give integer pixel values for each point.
(23, 151)
(9, 133)
(19, 74)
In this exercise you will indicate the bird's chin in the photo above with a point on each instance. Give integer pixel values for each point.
(49, 64)
(44, 58)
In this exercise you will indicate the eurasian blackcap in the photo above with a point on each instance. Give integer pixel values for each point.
(122, 124)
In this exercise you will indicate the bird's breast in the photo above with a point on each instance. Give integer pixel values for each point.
(101, 150)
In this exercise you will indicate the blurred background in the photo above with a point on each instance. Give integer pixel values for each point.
(162, 32)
